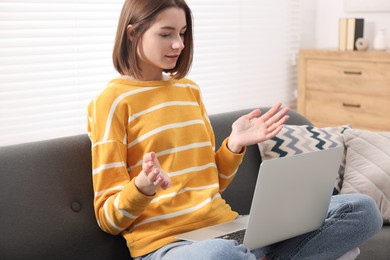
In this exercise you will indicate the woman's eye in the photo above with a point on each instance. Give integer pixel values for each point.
(164, 35)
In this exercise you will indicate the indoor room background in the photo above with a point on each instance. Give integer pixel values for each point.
(55, 55)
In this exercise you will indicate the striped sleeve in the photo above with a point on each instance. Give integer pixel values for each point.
(117, 201)
(227, 162)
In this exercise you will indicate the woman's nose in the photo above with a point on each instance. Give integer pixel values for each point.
(178, 43)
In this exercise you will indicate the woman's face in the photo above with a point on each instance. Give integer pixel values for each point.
(160, 46)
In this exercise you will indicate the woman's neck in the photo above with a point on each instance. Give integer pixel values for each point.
(163, 77)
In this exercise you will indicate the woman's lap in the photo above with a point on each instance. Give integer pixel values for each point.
(351, 220)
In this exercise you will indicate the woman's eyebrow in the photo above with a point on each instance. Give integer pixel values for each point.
(172, 28)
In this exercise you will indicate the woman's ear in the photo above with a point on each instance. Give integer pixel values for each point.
(130, 32)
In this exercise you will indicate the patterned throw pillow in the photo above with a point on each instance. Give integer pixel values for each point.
(296, 139)
(368, 167)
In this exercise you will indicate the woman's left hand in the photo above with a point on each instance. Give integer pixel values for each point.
(253, 128)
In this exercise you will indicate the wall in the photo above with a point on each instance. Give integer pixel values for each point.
(308, 16)
(53, 65)
(326, 23)
(243, 55)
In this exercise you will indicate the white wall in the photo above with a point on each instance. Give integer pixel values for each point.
(242, 57)
(308, 23)
(326, 22)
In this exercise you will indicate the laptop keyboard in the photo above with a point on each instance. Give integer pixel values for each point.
(237, 235)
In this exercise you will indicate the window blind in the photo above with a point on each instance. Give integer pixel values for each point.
(245, 52)
(55, 56)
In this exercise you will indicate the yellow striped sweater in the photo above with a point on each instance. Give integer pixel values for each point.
(131, 118)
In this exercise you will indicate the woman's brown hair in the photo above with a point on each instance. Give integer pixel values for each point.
(141, 14)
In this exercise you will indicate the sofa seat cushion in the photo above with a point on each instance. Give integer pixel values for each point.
(377, 247)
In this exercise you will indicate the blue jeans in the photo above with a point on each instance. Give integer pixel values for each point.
(352, 219)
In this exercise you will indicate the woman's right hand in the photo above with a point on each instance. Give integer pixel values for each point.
(152, 176)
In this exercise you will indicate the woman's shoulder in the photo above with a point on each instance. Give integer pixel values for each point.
(114, 89)
(186, 82)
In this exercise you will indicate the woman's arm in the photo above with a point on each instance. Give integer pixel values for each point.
(119, 199)
(247, 130)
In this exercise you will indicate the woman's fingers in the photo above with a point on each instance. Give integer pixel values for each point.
(158, 181)
(158, 178)
(253, 114)
(165, 184)
(148, 162)
(274, 132)
(153, 172)
(278, 118)
(267, 115)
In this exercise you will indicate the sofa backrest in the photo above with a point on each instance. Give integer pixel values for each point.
(46, 203)
(46, 197)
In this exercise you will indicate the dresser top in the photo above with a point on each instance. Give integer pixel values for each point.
(349, 55)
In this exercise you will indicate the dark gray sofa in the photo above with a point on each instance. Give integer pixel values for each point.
(46, 209)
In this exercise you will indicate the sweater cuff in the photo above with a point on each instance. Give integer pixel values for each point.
(135, 199)
(229, 158)
(225, 145)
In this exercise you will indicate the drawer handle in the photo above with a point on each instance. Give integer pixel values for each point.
(346, 72)
(351, 105)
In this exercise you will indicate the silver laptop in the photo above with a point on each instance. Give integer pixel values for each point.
(291, 197)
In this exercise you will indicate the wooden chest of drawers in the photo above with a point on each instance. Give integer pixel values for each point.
(337, 88)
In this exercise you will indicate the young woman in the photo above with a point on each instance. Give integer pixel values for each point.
(155, 169)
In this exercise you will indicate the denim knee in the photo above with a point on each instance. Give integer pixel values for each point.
(371, 219)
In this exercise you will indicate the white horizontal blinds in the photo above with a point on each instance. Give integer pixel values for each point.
(243, 52)
(294, 32)
(54, 57)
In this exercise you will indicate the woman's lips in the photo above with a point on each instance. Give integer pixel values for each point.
(172, 57)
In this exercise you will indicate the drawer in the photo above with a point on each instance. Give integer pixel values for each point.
(339, 108)
(366, 78)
